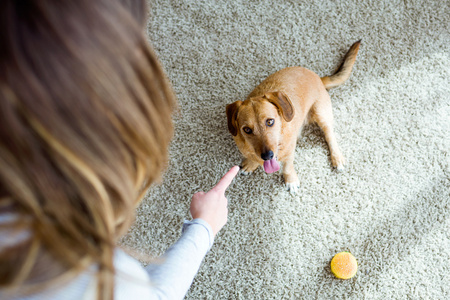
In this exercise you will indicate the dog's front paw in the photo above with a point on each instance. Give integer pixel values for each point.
(245, 173)
(293, 187)
(248, 167)
(338, 162)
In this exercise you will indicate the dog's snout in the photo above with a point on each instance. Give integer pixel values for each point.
(267, 155)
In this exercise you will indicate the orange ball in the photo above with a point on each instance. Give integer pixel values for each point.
(344, 265)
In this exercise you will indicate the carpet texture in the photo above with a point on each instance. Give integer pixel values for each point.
(390, 207)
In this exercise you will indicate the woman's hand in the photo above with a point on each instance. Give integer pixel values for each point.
(212, 206)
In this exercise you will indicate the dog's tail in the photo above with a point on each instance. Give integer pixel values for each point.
(343, 72)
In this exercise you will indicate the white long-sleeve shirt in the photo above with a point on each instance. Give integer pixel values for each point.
(169, 279)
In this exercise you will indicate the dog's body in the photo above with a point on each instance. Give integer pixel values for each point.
(267, 124)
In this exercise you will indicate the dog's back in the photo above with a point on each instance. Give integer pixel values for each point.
(302, 86)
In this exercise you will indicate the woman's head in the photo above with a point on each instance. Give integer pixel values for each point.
(85, 123)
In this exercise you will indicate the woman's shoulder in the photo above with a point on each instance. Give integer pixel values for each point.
(131, 282)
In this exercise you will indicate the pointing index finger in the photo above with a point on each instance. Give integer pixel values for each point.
(226, 180)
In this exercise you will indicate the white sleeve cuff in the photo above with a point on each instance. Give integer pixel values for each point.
(200, 223)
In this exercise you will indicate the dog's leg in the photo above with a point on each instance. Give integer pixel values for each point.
(289, 174)
(248, 166)
(322, 114)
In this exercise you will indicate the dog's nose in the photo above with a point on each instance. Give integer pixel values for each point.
(267, 156)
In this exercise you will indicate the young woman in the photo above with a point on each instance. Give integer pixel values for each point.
(85, 124)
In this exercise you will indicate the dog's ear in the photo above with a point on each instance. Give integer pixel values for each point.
(282, 102)
(232, 110)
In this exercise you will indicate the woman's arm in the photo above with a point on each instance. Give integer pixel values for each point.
(172, 277)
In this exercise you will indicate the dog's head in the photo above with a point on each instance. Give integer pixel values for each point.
(256, 124)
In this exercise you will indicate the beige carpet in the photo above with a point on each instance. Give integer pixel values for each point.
(390, 207)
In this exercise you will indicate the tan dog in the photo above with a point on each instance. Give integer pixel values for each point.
(267, 124)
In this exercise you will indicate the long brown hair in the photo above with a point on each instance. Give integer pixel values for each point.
(85, 123)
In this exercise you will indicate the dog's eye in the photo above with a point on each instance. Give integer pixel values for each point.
(270, 122)
(247, 130)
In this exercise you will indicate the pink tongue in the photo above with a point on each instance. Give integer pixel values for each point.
(271, 166)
